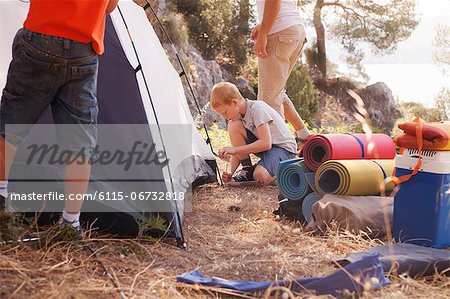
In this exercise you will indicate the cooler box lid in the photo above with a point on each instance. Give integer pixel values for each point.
(437, 162)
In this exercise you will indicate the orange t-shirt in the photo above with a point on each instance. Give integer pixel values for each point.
(78, 20)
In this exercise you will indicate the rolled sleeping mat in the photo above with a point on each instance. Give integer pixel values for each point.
(292, 181)
(307, 205)
(321, 148)
(286, 163)
(310, 177)
(353, 177)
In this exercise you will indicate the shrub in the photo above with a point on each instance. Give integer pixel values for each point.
(219, 28)
(176, 29)
(302, 92)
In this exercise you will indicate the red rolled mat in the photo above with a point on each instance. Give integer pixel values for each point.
(321, 148)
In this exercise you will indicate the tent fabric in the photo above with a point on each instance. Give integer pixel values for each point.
(355, 213)
(321, 148)
(414, 260)
(435, 136)
(137, 85)
(353, 177)
(291, 179)
(367, 271)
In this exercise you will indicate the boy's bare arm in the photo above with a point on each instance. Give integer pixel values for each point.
(111, 6)
(234, 164)
(263, 143)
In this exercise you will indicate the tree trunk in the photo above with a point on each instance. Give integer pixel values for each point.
(320, 33)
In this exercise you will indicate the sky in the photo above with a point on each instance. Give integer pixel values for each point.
(410, 71)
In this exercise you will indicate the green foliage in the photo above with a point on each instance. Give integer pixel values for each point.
(312, 60)
(10, 226)
(131, 249)
(359, 129)
(412, 110)
(442, 104)
(378, 23)
(150, 223)
(176, 28)
(219, 28)
(219, 137)
(442, 48)
(381, 23)
(302, 92)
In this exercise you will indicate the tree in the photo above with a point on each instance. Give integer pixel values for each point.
(380, 23)
(442, 104)
(239, 38)
(442, 48)
(219, 28)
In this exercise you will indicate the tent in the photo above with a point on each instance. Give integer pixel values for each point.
(137, 86)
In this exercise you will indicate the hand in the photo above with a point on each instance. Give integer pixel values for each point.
(255, 32)
(260, 46)
(226, 177)
(226, 152)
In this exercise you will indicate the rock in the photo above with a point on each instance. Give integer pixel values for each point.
(380, 104)
(378, 101)
(242, 84)
(203, 74)
(209, 117)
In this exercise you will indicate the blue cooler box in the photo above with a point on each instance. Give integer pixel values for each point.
(421, 207)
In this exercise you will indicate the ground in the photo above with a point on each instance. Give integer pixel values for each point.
(231, 233)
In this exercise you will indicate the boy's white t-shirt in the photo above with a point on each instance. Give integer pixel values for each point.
(258, 113)
(288, 16)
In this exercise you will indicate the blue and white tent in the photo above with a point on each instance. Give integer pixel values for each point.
(137, 84)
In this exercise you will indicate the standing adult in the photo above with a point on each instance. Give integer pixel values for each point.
(279, 38)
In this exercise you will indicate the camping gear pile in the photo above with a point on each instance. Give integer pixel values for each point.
(346, 165)
(422, 205)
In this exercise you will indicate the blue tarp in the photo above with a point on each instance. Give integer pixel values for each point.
(368, 271)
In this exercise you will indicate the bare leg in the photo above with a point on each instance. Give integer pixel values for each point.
(7, 154)
(292, 115)
(76, 183)
(262, 175)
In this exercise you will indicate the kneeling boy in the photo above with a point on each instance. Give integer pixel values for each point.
(254, 128)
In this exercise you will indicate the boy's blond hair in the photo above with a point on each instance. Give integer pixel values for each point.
(222, 93)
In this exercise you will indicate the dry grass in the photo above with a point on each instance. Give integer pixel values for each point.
(231, 233)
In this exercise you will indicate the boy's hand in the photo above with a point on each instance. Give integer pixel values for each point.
(226, 152)
(226, 177)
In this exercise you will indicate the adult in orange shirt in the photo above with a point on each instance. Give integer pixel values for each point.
(55, 63)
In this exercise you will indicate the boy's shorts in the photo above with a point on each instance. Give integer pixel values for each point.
(270, 159)
(51, 71)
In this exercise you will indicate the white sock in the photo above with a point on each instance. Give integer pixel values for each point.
(303, 133)
(74, 218)
(4, 188)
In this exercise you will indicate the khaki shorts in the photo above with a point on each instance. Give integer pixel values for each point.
(284, 49)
